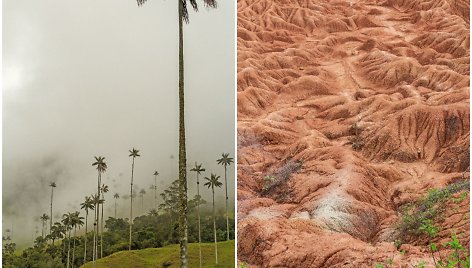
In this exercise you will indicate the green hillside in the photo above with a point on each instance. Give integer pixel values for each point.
(157, 257)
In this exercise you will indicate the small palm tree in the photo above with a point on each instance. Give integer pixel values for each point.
(133, 153)
(198, 169)
(52, 185)
(153, 212)
(183, 235)
(44, 218)
(57, 231)
(225, 160)
(213, 182)
(101, 167)
(86, 205)
(116, 196)
(104, 190)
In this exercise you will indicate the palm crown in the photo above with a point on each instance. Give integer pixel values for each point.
(225, 160)
(198, 168)
(213, 181)
(116, 196)
(156, 173)
(52, 184)
(134, 153)
(207, 3)
(87, 204)
(104, 188)
(44, 217)
(100, 163)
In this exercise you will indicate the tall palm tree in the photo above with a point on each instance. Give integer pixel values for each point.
(67, 221)
(76, 221)
(87, 204)
(213, 182)
(44, 218)
(101, 167)
(155, 188)
(225, 160)
(183, 237)
(198, 169)
(133, 153)
(116, 196)
(95, 201)
(52, 185)
(142, 193)
(104, 190)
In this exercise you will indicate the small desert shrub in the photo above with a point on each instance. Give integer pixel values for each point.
(419, 217)
(281, 175)
(356, 140)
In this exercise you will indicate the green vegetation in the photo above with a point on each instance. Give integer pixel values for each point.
(418, 217)
(421, 217)
(168, 256)
(159, 228)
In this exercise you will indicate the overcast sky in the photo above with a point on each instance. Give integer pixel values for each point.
(97, 78)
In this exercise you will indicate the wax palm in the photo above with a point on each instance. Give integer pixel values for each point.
(96, 201)
(76, 221)
(198, 169)
(213, 182)
(116, 196)
(67, 221)
(183, 236)
(101, 168)
(52, 185)
(44, 218)
(86, 205)
(225, 161)
(133, 153)
(104, 190)
(155, 188)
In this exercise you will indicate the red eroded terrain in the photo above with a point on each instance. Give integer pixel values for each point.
(349, 114)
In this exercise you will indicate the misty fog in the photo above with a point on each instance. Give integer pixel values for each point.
(97, 78)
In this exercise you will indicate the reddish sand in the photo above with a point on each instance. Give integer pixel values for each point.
(314, 77)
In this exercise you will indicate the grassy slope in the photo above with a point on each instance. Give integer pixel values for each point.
(155, 257)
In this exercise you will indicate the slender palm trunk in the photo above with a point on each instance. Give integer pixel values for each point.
(98, 214)
(101, 229)
(68, 250)
(42, 229)
(73, 248)
(214, 226)
(199, 232)
(115, 208)
(50, 219)
(85, 244)
(227, 219)
(131, 208)
(155, 192)
(183, 237)
(94, 240)
(142, 204)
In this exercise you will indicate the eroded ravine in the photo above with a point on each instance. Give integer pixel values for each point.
(371, 98)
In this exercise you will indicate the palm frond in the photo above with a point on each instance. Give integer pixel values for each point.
(141, 2)
(210, 3)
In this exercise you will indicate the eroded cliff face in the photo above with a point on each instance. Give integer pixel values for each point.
(347, 111)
